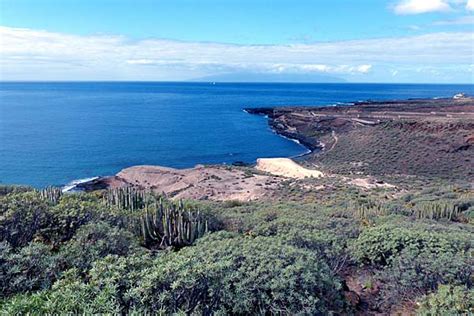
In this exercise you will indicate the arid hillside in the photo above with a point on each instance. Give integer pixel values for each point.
(429, 138)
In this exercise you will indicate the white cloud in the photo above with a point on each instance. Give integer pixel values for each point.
(406, 7)
(421, 6)
(470, 5)
(27, 54)
(315, 68)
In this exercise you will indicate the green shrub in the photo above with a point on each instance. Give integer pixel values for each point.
(96, 240)
(12, 189)
(223, 273)
(22, 215)
(106, 290)
(72, 212)
(68, 296)
(414, 259)
(327, 245)
(411, 274)
(226, 273)
(308, 226)
(33, 267)
(448, 300)
(378, 245)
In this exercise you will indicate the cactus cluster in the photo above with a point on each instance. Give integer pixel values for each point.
(128, 198)
(172, 225)
(436, 210)
(366, 211)
(51, 194)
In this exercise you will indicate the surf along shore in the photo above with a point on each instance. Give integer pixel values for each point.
(368, 144)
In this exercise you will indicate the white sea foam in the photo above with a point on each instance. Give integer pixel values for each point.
(71, 186)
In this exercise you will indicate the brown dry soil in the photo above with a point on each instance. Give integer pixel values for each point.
(216, 183)
(427, 138)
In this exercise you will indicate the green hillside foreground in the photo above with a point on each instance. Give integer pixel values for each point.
(351, 252)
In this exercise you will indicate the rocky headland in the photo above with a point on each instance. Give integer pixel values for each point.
(419, 137)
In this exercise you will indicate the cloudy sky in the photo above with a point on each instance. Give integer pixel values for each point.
(353, 40)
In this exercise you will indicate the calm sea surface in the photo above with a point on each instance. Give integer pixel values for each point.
(53, 133)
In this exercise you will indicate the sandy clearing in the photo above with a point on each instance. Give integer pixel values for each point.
(286, 167)
(218, 183)
(370, 183)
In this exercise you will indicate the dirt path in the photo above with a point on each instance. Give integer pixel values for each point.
(333, 134)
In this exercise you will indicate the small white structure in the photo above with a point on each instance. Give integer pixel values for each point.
(459, 96)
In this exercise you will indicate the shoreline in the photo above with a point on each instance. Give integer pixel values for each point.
(267, 113)
(102, 182)
(301, 139)
(315, 127)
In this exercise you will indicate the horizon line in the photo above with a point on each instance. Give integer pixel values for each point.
(229, 82)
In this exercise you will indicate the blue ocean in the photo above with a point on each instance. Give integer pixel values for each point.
(53, 133)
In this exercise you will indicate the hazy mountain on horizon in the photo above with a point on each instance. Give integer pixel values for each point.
(271, 77)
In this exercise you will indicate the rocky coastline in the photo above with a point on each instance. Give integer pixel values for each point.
(346, 131)
(283, 130)
(421, 137)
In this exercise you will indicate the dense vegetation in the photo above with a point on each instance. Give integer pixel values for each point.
(128, 252)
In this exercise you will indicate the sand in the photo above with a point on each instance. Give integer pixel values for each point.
(286, 167)
(370, 183)
(218, 183)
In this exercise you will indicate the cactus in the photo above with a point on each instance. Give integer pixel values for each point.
(436, 210)
(368, 209)
(171, 225)
(51, 194)
(128, 198)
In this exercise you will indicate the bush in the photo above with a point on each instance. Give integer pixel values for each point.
(413, 260)
(411, 274)
(378, 245)
(226, 273)
(68, 296)
(72, 212)
(105, 291)
(448, 300)
(31, 268)
(94, 241)
(22, 215)
(28, 216)
(223, 273)
(12, 189)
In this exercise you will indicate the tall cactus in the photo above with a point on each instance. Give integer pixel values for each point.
(436, 210)
(51, 194)
(128, 198)
(366, 210)
(171, 225)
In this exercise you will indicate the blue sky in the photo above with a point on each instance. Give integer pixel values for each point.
(357, 41)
